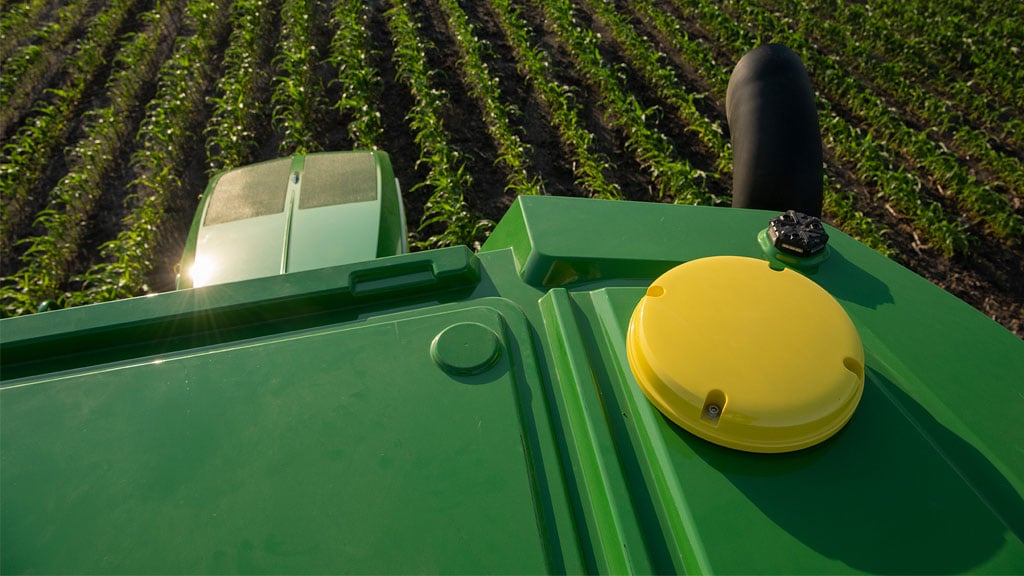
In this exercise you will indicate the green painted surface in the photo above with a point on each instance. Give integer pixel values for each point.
(449, 412)
(352, 455)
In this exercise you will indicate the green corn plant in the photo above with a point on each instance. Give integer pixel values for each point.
(47, 263)
(963, 37)
(17, 24)
(512, 153)
(164, 145)
(446, 171)
(653, 66)
(673, 175)
(26, 69)
(298, 92)
(358, 78)
(240, 109)
(27, 155)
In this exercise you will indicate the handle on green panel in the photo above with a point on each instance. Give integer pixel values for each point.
(433, 269)
(117, 331)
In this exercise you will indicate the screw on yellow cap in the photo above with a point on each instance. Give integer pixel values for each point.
(746, 356)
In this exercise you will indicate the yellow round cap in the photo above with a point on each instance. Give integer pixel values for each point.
(746, 356)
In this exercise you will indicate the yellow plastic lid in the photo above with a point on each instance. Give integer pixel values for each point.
(746, 356)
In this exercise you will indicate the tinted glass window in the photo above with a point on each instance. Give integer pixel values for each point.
(338, 179)
(248, 192)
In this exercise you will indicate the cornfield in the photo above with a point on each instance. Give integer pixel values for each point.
(114, 113)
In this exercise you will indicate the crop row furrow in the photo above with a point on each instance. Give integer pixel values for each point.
(673, 176)
(357, 77)
(240, 109)
(447, 174)
(936, 163)
(589, 167)
(167, 141)
(839, 204)
(28, 154)
(512, 153)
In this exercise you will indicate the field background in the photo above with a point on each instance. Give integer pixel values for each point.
(113, 114)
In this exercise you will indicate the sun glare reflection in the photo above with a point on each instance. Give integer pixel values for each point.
(201, 271)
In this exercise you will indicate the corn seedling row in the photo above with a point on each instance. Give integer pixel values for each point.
(864, 35)
(673, 176)
(839, 204)
(19, 23)
(240, 109)
(166, 143)
(298, 92)
(897, 80)
(968, 126)
(26, 71)
(498, 115)
(358, 78)
(27, 156)
(588, 166)
(447, 175)
(47, 263)
(982, 39)
(654, 66)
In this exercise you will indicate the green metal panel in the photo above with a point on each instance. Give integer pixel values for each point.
(449, 412)
(220, 459)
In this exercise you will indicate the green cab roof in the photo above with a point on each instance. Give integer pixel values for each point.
(294, 214)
